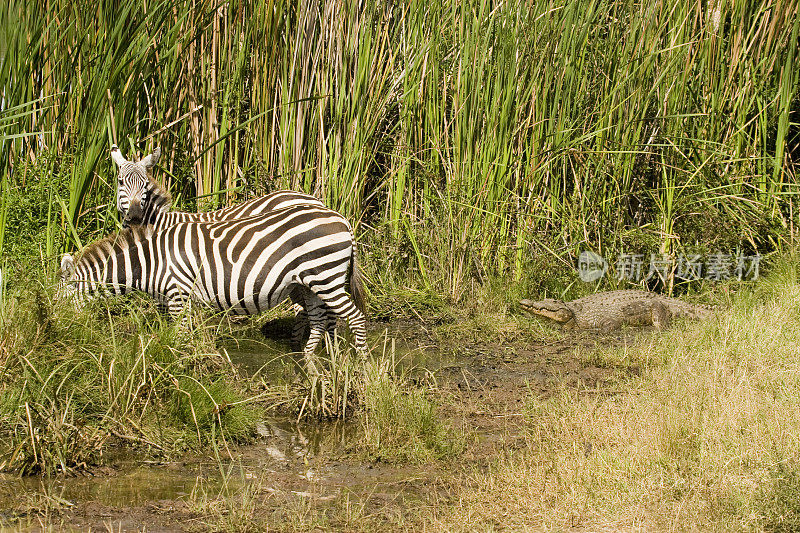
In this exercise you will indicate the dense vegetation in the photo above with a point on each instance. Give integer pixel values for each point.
(478, 146)
(467, 139)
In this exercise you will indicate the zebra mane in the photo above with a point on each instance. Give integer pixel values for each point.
(159, 195)
(113, 243)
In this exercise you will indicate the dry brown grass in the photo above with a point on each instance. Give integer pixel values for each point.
(707, 438)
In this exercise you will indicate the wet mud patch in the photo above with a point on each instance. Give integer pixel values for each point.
(487, 389)
(306, 475)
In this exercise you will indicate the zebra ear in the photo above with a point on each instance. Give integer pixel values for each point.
(67, 267)
(116, 155)
(151, 160)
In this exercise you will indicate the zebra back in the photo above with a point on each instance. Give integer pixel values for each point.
(245, 265)
(155, 212)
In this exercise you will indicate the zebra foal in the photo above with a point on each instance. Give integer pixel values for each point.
(245, 266)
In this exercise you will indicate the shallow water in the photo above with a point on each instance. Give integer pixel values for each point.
(286, 445)
(272, 357)
(127, 481)
(129, 485)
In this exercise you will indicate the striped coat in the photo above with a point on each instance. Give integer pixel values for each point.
(143, 202)
(246, 266)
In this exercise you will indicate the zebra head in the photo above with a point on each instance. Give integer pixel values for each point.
(134, 187)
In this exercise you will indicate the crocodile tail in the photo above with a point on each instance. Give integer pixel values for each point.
(689, 310)
(698, 311)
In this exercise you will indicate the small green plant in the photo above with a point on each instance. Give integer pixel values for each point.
(778, 499)
(232, 507)
(400, 422)
(329, 394)
(628, 357)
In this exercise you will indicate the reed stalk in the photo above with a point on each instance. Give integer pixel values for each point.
(464, 133)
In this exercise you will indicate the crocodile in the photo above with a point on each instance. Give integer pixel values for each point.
(610, 310)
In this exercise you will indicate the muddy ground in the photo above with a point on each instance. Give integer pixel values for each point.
(294, 471)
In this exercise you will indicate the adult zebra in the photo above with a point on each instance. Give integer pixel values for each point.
(142, 201)
(245, 265)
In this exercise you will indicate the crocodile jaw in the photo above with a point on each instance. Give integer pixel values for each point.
(553, 309)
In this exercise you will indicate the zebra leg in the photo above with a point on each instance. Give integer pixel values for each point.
(179, 308)
(339, 304)
(302, 297)
(316, 318)
(300, 328)
(330, 323)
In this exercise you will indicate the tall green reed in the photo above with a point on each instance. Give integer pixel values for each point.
(470, 135)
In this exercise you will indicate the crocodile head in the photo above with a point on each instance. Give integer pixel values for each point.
(548, 308)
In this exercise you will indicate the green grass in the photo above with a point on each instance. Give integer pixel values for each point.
(400, 421)
(119, 373)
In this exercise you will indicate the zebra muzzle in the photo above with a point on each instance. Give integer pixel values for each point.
(135, 215)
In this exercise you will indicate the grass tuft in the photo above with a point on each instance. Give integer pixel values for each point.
(116, 373)
(400, 421)
(778, 499)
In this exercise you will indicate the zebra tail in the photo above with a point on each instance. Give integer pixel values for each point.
(356, 285)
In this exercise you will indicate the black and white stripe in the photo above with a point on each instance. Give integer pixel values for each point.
(246, 266)
(143, 202)
(134, 177)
